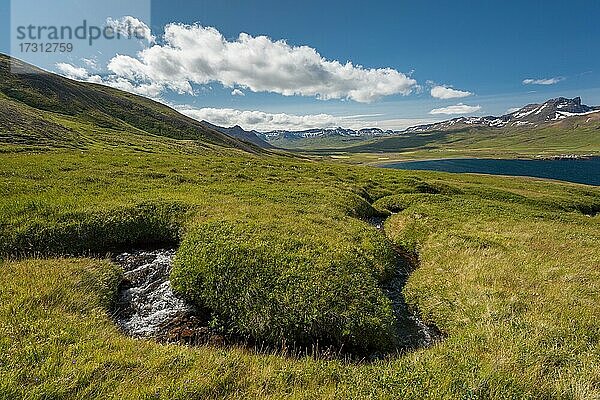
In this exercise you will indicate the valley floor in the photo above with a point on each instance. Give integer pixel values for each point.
(571, 137)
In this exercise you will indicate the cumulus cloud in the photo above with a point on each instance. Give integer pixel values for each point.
(445, 92)
(151, 90)
(193, 54)
(265, 122)
(250, 120)
(131, 27)
(457, 109)
(544, 81)
(237, 92)
(260, 120)
(72, 72)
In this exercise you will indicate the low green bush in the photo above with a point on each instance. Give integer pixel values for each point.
(287, 280)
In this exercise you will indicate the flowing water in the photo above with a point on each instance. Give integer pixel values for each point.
(146, 303)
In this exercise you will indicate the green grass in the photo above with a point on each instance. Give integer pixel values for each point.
(508, 270)
(288, 279)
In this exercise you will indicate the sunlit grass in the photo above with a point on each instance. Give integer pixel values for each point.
(508, 270)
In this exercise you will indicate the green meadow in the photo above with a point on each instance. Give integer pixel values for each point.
(507, 269)
(279, 249)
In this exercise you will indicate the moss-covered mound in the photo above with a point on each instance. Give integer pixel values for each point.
(92, 231)
(294, 279)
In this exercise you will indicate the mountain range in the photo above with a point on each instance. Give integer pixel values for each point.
(264, 139)
(238, 132)
(531, 115)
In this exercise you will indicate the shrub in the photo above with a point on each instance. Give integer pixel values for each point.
(144, 224)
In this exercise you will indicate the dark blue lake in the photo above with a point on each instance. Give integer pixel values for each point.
(571, 170)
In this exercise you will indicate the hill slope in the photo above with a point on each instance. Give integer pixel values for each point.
(43, 110)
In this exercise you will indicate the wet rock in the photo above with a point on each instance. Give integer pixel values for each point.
(190, 330)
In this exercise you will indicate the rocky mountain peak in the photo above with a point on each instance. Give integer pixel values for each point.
(535, 114)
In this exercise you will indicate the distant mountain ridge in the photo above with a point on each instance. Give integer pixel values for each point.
(326, 132)
(263, 138)
(238, 132)
(532, 115)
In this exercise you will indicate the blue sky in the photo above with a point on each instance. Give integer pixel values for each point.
(483, 48)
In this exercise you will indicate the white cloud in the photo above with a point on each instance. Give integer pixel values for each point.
(72, 72)
(512, 110)
(457, 109)
(131, 27)
(237, 92)
(444, 92)
(250, 120)
(193, 54)
(151, 90)
(81, 74)
(263, 121)
(545, 81)
(91, 63)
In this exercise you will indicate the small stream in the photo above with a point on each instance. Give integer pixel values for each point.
(413, 333)
(147, 307)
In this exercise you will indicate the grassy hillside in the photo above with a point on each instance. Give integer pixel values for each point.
(40, 110)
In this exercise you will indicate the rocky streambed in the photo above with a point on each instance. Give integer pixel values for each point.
(413, 333)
